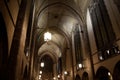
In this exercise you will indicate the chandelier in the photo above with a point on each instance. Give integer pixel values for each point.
(47, 36)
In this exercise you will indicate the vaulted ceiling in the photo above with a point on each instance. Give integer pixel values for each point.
(59, 17)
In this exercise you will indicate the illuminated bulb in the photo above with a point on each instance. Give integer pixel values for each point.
(39, 76)
(101, 58)
(42, 64)
(108, 51)
(65, 72)
(109, 73)
(80, 65)
(40, 72)
(58, 76)
(47, 36)
(27, 54)
(54, 78)
(118, 51)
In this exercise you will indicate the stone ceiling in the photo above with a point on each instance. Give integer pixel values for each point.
(59, 17)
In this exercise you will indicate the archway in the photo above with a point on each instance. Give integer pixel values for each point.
(116, 72)
(77, 77)
(46, 66)
(85, 76)
(103, 74)
(3, 48)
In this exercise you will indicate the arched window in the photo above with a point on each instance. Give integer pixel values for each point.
(103, 74)
(78, 45)
(102, 27)
(116, 73)
(77, 77)
(59, 66)
(85, 76)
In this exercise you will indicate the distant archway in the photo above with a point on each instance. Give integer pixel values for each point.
(103, 74)
(3, 48)
(85, 76)
(47, 69)
(77, 77)
(116, 72)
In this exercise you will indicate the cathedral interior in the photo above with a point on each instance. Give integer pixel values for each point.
(59, 39)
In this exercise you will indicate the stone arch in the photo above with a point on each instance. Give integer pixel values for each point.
(47, 70)
(116, 72)
(77, 77)
(103, 74)
(85, 76)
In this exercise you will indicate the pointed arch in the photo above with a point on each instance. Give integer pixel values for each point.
(103, 74)
(77, 77)
(116, 72)
(85, 76)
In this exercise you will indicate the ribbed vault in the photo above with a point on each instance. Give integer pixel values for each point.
(59, 17)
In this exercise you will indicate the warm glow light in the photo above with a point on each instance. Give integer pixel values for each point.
(65, 72)
(58, 76)
(39, 76)
(40, 72)
(80, 65)
(42, 64)
(47, 36)
(109, 73)
(54, 78)
(101, 58)
(108, 51)
(118, 51)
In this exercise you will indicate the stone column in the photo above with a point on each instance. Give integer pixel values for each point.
(15, 46)
(54, 70)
